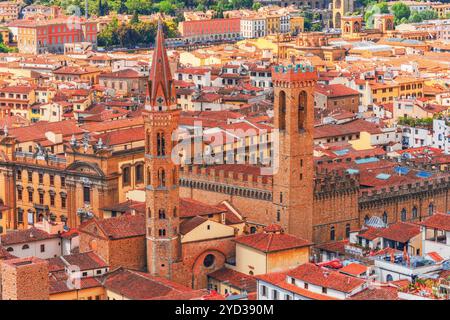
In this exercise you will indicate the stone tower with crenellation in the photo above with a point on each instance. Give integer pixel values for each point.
(293, 182)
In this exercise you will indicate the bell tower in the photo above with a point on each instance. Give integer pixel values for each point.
(161, 117)
(293, 185)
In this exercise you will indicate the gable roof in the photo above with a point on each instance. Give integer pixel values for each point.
(439, 221)
(400, 232)
(190, 224)
(28, 235)
(271, 242)
(323, 277)
(125, 226)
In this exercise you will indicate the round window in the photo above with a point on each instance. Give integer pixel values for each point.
(209, 260)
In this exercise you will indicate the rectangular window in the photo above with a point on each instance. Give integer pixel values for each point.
(41, 198)
(87, 194)
(42, 247)
(30, 176)
(52, 180)
(63, 181)
(324, 290)
(52, 200)
(275, 295)
(63, 202)
(19, 194)
(263, 291)
(41, 178)
(30, 196)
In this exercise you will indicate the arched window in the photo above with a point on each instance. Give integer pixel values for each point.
(430, 209)
(160, 144)
(278, 215)
(347, 230)
(10, 249)
(302, 106)
(162, 213)
(25, 247)
(403, 214)
(148, 142)
(19, 175)
(332, 234)
(385, 217)
(149, 176)
(175, 211)
(139, 173)
(414, 212)
(149, 213)
(282, 111)
(366, 219)
(389, 278)
(126, 176)
(252, 229)
(162, 177)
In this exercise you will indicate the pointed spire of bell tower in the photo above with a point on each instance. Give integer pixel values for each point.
(161, 89)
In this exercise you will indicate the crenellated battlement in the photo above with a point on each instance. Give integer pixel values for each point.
(431, 184)
(294, 73)
(233, 176)
(335, 182)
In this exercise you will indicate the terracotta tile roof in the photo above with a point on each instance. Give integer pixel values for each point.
(127, 207)
(126, 73)
(192, 208)
(270, 242)
(351, 127)
(439, 221)
(141, 286)
(370, 233)
(85, 261)
(335, 90)
(353, 269)
(323, 277)
(279, 279)
(400, 232)
(4, 255)
(335, 246)
(236, 279)
(190, 224)
(38, 130)
(125, 226)
(377, 293)
(58, 283)
(122, 136)
(23, 236)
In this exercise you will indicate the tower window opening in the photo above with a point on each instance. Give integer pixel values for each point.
(282, 110)
(302, 104)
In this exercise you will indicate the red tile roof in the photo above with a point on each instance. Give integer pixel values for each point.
(439, 221)
(234, 278)
(279, 279)
(353, 269)
(125, 226)
(335, 90)
(323, 277)
(23, 236)
(191, 208)
(85, 261)
(141, 286)
(377, 293)
(190, 224)
(270, 242)
(400, 232)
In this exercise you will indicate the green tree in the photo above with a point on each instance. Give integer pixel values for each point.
(375, 8)
(401, 11)
(139, 6)
(256, 6)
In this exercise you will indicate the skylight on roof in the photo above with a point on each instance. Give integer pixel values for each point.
(424, 174)
(367, 160)
(341, 152)
(352, 171)
(383, 176)
(401, 170)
